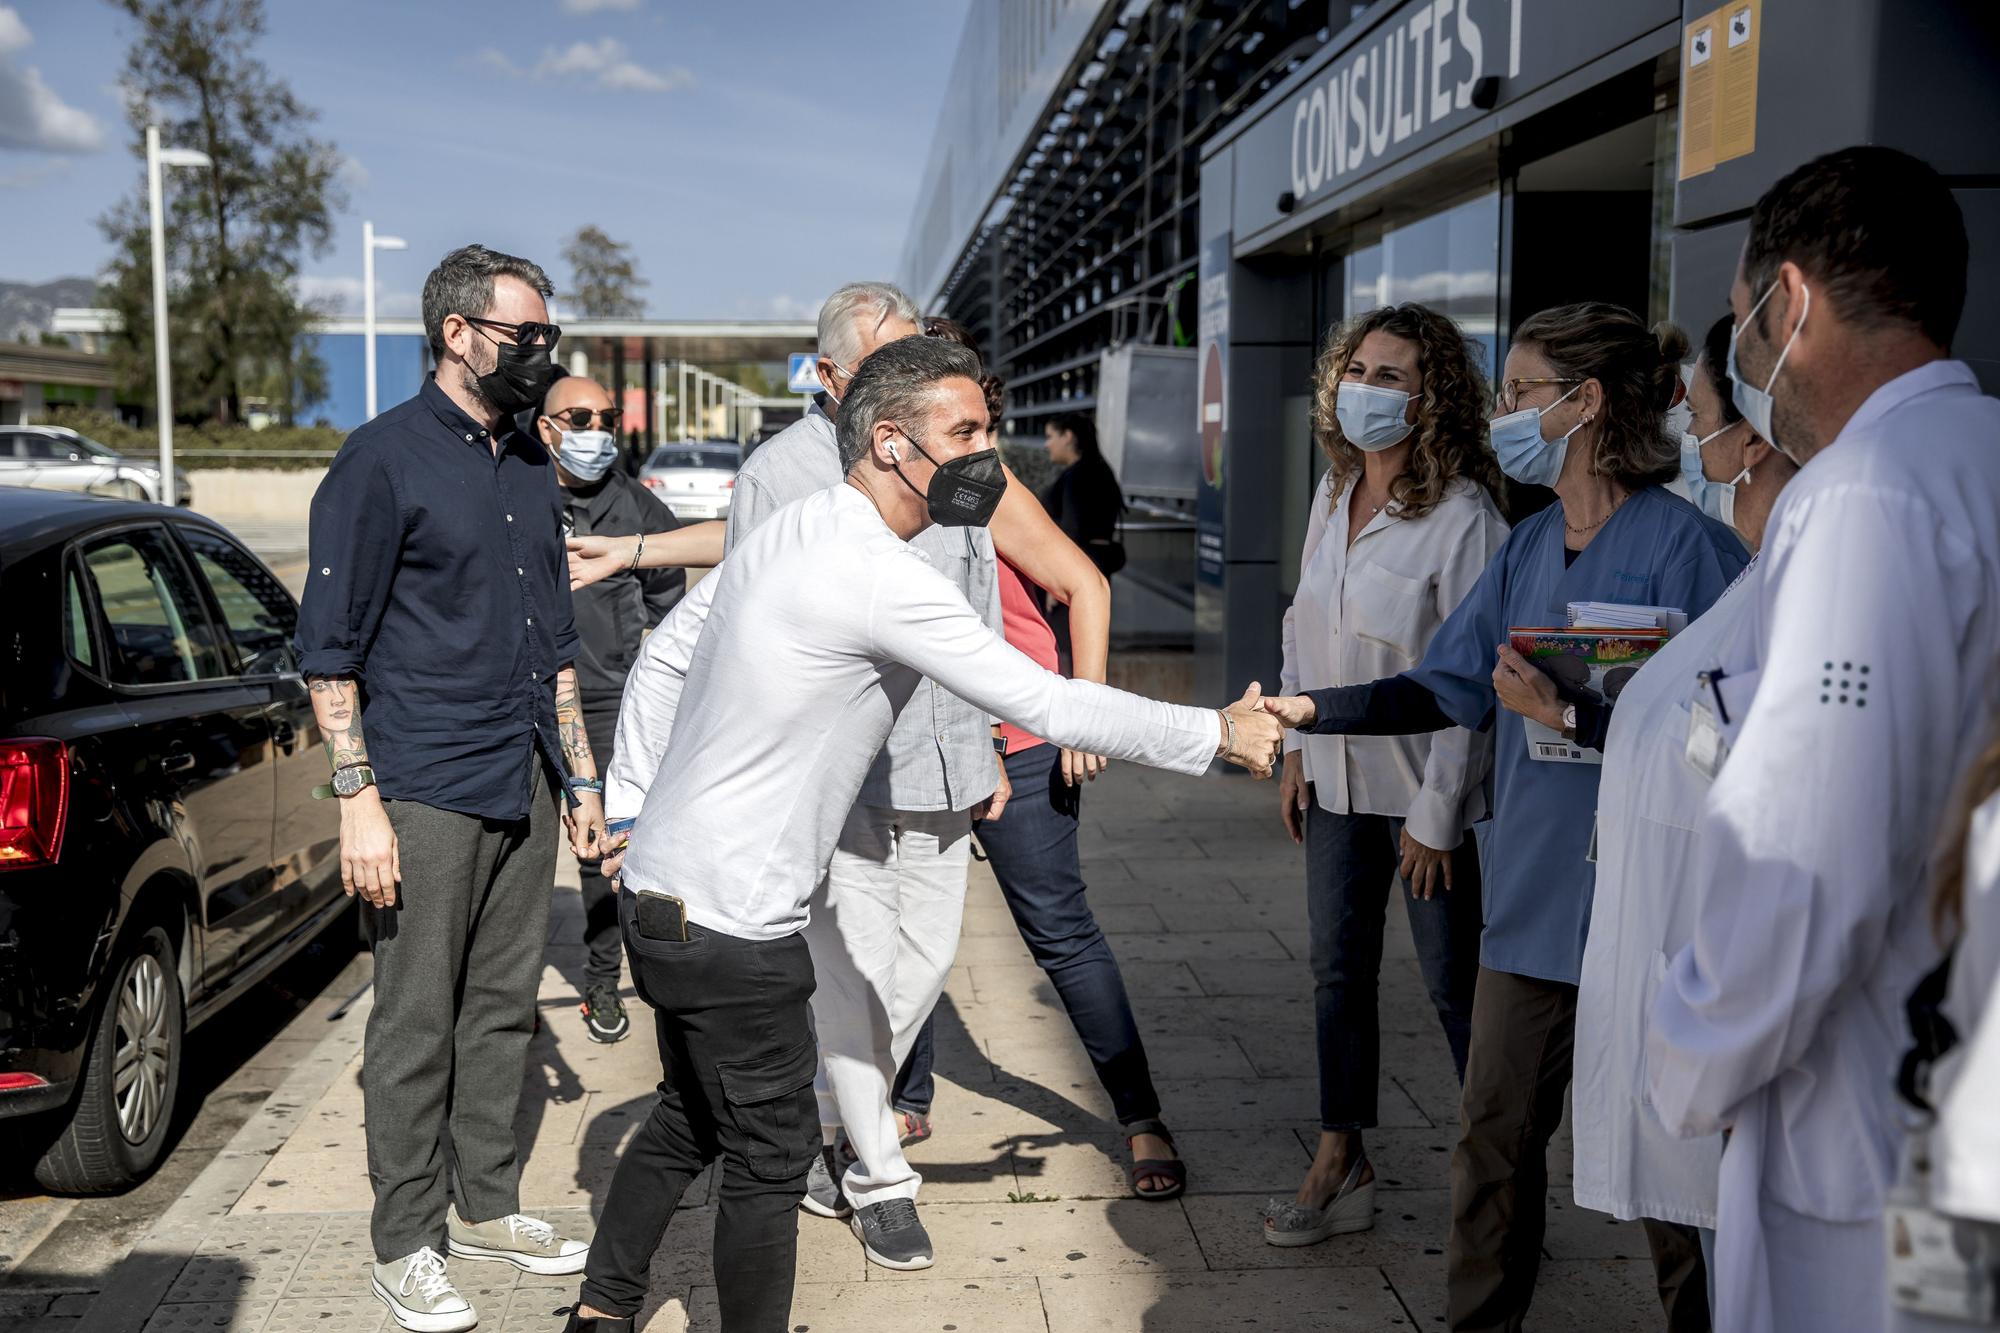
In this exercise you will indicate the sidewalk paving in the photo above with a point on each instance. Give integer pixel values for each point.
(1024, 1188)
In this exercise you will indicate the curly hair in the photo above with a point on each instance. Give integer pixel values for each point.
(995, 388)
(1450, 437)
(1637, 369)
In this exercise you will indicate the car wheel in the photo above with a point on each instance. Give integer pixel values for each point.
(131, 1076)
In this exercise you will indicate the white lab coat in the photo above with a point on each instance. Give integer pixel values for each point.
(1369, 610)
(1965, 1085)
(1870, 648)
(1648, 802)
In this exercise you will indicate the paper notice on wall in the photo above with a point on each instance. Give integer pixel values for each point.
(1698, 66)
(1719, 86)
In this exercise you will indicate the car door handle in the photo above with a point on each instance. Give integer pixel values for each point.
(177, 760)
(284, 733)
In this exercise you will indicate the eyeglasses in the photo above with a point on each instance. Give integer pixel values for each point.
(1510, 391)
(578, 418)
(527, 333)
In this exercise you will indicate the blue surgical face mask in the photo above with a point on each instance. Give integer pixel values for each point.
(1752, 402)
(1371, 418)
(587, 454)
(1717, 499)
(1524, 455)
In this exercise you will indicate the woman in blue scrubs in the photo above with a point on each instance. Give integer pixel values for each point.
(1583, 399)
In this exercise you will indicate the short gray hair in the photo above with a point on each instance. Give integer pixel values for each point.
(462, 285)
(875, 302)
(895, 385)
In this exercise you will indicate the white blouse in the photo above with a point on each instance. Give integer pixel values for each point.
(1369, 610)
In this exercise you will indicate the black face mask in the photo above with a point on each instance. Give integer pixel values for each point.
(519, 380)
(964, 492)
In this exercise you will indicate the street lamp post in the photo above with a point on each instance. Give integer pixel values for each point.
(370, 243)
(163, 389)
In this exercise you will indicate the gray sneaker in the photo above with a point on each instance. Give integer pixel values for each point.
(891, 1234)
(419, 1295)
(823, 1197)
(528, 1243)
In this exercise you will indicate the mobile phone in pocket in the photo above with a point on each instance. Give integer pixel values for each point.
(661, 917)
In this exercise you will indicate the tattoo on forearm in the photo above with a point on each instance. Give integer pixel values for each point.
(569, 728)
(337, 706)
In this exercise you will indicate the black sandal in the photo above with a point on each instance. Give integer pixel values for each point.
(1171, 1167)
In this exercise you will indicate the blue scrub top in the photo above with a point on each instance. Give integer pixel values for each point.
(1657, 550)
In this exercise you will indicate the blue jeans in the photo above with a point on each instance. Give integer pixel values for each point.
(1032, 849)
(1351, 868)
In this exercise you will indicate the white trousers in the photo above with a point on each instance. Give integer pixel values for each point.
(883, 932)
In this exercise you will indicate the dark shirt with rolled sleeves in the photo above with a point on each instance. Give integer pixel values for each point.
(439, 580)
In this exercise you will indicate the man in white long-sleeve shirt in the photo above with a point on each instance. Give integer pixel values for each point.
(773, 692)
(1852, 699)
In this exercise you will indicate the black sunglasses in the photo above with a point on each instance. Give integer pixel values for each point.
(527, 333)
(578, 418)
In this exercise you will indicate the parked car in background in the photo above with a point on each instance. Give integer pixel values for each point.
(694, 478)
(56, 458)
(160, 849)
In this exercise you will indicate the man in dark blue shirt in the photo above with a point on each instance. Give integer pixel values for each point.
(437, 620)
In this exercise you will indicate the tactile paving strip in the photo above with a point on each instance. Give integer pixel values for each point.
(211, 1317)
(346, 1314)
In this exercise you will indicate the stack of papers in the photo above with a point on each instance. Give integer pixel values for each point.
(1620, 615)
(1592, 665)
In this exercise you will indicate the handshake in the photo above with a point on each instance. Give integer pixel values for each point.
(1253, 728)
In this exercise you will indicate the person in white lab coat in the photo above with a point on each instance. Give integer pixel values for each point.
(1647, 804)
(1402, 525)
(1963, 1087)
(1847, 702)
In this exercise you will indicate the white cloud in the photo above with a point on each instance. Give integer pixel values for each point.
(32, 116)
(597, 6)
(604, 64)
(352, 174)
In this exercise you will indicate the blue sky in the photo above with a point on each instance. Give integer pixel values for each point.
(756, 153)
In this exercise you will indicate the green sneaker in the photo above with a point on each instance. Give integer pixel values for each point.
(525, 1242)
(419, 1295)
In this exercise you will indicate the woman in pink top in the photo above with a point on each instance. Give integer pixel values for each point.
(1033, 851)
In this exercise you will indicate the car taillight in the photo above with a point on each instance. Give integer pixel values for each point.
(729, 485)
(652, 483)
(34, 801)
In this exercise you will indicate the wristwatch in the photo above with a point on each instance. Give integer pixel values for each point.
(347, 781)
(1569, 722)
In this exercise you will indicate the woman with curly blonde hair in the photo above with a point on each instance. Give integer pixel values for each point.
(1402, 525)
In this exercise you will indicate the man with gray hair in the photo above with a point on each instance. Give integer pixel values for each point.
(437, 613)
(895, 888)
(748, 728)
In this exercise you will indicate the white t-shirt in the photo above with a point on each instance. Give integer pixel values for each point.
(818, 628)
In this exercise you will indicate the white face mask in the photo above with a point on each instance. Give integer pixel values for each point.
(1717, 499)
(1753, 402)
(1372, 418)
(1524, 454)
(587, 454)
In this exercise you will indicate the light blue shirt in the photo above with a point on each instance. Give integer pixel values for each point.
(1657, 550)
(940, 753)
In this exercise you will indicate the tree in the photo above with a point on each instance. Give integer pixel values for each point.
(604, 278)
(237, 229)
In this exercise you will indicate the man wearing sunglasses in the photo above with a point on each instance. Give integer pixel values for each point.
(580, 428)
(437, 615)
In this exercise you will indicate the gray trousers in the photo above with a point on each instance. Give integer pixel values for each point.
(458, 961)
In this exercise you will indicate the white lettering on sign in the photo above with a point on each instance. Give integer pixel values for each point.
(1408, 76)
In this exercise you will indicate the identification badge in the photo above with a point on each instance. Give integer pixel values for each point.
(1715, 717)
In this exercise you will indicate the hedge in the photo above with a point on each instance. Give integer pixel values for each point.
(209, 446)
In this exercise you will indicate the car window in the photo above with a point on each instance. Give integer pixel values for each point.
(721, 459)
(43, 448)
(76, 620)
(256, 610)
(155, 627)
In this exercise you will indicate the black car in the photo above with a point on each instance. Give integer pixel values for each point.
(159, 845)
